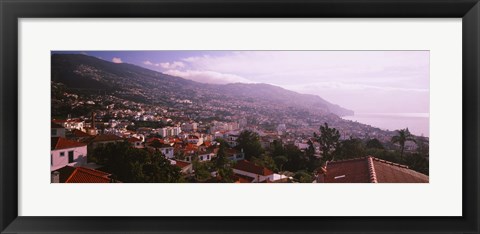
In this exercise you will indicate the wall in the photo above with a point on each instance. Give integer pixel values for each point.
(79, 157)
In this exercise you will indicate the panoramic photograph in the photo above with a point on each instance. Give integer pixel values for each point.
(199, 116)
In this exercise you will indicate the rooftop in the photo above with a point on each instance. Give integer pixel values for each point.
(371, 170)
(70, 174)
(244, 165)
(62, 143)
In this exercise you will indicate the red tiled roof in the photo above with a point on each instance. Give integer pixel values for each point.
(181, 164)
(159, 144)
(59, 121)
(244, 165)
(387, 172)
(78, 133)
(371, 170)
(133, 139)
(106, 137)
(85, 175)
(62, 143)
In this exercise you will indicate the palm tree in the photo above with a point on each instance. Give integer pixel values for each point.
(403, 136)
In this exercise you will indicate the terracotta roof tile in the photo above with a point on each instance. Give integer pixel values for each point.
(133, 139)
(244, 165)
(181, 164)
(85, 175)
(62, 143)
(387, 172)
(348, 171)
(371, 170)
(78, 133)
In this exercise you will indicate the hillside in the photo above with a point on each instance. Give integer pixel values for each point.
(90, 74)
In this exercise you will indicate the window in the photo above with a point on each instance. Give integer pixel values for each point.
(62, 154)
(208, 156)
(70, 157)
(54, 132)
(201, 158)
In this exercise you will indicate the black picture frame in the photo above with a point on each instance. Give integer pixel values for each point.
(12, 10)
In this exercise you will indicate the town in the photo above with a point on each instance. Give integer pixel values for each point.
(130, 142)
(123, 123)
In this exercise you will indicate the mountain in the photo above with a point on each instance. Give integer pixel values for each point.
(84, 73)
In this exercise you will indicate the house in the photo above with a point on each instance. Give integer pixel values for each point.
(135, 142)
(57, 130)
(185, 167)
(231, 138)
(103, 139)
(256, 173)
(206, 155)
(68, 174)
(368, 170)
(189, 127)
(78, 135)
(67, 152)
(71, 124)
(192, 139)
(235, 155)
(159, 146)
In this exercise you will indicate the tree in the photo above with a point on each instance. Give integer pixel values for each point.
(403, 136)
(131, 165)
(303, 177)
(296, 159)
(351, 148)
(202, 170)
(374, 144)
(249, 142)
(310, 151)
(222, 164)
(158, 169)
(265, 160)
(329, 142)
(280, 160)
(313, 162)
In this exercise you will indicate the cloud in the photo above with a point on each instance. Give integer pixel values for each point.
(208, 76)
(117, 60)
(166, 65)
(343, 86)
(173, 65)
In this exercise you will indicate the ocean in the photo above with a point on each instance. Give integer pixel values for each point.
(417, 123)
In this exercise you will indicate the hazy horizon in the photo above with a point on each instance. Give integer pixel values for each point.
(363, 81)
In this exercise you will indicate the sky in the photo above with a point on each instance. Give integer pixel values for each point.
(363, 81)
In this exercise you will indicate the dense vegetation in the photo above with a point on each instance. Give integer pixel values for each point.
(303, 163)
(131, 165)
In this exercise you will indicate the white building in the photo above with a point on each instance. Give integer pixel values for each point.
(257, 173)
(165, 149)
(190, 127)
(71, 124)
(57, 130)
(67, 153)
